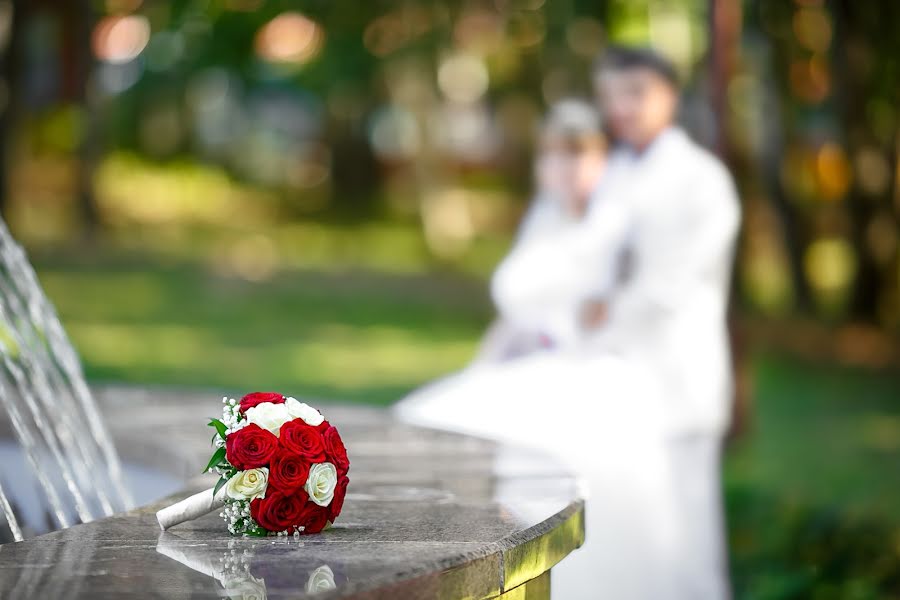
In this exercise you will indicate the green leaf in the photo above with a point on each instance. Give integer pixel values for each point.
(217, 457)
(222, 481)
(220, 427)
(258, 532)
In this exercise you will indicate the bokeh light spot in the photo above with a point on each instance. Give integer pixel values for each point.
(813, 29)
(873, 173)
(463, 78)
(810, 79)
(830, 266)
(394, 133)
(832, 172)
(120, 39)
(289, 38)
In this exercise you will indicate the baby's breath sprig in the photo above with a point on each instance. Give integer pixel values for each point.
(238, 520)
(232, 416)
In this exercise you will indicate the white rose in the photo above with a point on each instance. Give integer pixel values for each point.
(249, 484)
(321, 483)
(320, 580)
(269, 416)
(301, 410)
(245, 589)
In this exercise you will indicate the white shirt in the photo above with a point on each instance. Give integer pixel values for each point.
(673, 213)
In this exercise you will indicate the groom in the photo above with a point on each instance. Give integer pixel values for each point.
(683, 216)
(682, 220)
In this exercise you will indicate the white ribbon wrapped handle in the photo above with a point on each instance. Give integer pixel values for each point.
(192, 507)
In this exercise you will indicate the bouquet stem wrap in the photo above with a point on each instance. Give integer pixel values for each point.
(192, 507)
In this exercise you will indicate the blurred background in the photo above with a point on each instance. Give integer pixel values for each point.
(310, 196)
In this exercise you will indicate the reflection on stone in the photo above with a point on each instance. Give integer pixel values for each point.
(320, 580)
(245, 566)
(246, 588)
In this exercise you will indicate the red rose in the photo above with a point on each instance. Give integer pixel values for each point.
(335, 450)
(251, 400)
(278, 511)
(250, 447)
(337, 503)
(314, 517)
(302, 439)
(288, 471)
(323, 426)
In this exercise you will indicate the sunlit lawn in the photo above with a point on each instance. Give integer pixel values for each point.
(347, 335)
(813, 489)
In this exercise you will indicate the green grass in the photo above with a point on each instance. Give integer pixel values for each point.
(826, 433)
(348, 335)
(813, 490)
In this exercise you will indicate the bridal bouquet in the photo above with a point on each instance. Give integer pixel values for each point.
(282, 469)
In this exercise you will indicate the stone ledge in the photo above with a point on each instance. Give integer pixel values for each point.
(429, 514)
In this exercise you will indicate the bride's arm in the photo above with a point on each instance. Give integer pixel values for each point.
(553, 273)
(498, 342)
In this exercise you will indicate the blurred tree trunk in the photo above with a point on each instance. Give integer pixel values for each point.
(9, 77)
(780, 124)
(725, 38)
(853, 90)
(77, 21)
(795, 237)
(725, 24)
(355, 174)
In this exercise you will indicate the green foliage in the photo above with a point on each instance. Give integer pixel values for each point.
(785, 549)
(222, 481)
(813, 506)
(256, 532)
(220, 427)
(217, 458)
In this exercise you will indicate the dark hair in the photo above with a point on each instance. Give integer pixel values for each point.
(622, 58)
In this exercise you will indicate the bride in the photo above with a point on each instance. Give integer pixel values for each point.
(570, 161)
(624, 369)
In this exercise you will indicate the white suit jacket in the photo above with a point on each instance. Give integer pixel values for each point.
(657, 246)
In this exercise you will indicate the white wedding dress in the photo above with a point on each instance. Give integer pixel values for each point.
(546, 220)
(637, 406)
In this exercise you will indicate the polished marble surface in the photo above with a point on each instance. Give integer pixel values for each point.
(428, 515)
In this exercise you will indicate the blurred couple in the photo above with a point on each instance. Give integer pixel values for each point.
(610, 348)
